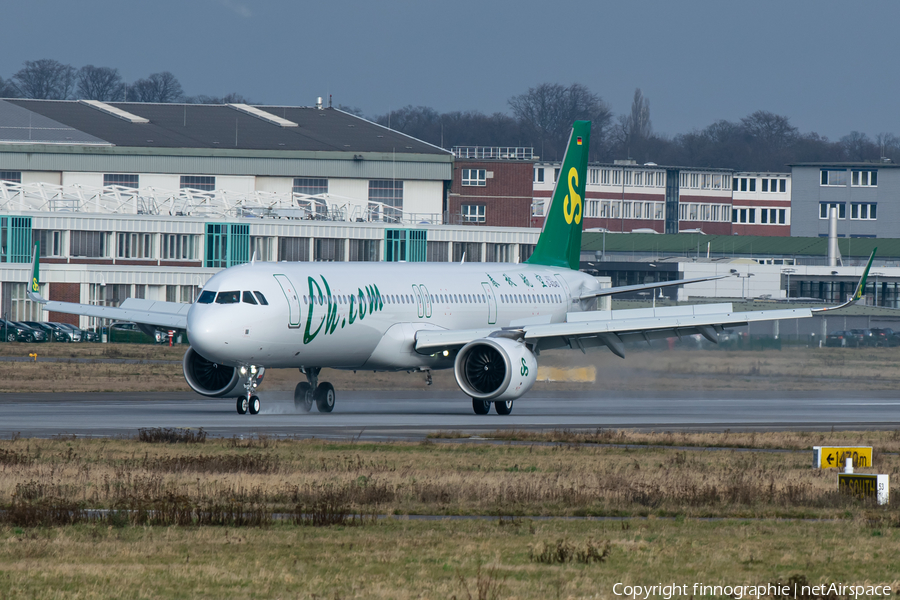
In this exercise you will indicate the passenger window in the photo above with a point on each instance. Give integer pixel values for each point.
(248, 298)
(228, 298)
(206, 297)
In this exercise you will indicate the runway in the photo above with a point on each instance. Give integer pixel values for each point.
(413, 415)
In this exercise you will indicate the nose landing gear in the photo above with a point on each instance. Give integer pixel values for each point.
(249, 402)
(308, 391)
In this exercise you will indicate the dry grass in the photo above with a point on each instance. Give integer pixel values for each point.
(200, 520)
(882, 441)
(295, 477)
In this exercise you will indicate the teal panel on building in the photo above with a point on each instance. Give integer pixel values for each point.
(15, 239)
(408, 245)
(227, 244)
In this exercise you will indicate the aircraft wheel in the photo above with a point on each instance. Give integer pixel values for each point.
(242, 405)
(503, 407)
(253, 409)
(481, 407)
(325, 397)
(303, 397)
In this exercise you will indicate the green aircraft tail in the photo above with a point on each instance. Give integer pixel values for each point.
(560, 242)
(35, 285)
(861, 286)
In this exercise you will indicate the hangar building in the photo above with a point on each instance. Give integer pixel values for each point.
(150, 200)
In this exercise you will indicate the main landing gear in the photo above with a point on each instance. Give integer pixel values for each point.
(308, 391)
(483, 407)
(248, 402)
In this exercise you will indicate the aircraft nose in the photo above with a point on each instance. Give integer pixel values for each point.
(204, 332)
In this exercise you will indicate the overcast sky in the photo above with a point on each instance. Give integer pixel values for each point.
(829, 66)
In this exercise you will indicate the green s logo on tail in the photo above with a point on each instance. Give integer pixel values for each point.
(560, 241)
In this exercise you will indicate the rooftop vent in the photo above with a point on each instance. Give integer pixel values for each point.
(116, 112)
(265, 116)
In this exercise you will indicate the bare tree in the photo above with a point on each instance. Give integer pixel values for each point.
(549, 110)
(639, 121)
(857, 146)
(633, 131)
(353, 110)
(100, 83)
(45, 79)
(890, 146)
(8, 89)
(232, 98)
(771, 130)
(159, 87)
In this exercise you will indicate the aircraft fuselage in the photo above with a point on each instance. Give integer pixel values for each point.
(365, 315)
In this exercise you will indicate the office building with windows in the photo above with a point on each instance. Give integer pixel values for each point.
(625, 196)
(866, 197)
(491, 186)
(761, 204)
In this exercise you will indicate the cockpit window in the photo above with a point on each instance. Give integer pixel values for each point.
(248, 298)
(228, 298)
(261, 298)
(206, 297)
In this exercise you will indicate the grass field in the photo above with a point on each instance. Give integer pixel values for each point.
(799, 369)
(150, 546)
(439, 559)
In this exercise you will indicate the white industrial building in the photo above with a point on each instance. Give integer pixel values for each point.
(150, 200)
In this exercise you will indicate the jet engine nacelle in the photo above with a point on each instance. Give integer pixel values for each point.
(208, 378)
(495, 369)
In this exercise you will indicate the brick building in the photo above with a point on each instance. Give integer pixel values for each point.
(625, 196)
(491, 186)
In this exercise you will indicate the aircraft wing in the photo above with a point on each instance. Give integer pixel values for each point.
(647, 286)
(162, 314)
(144, 312)
(613, 328)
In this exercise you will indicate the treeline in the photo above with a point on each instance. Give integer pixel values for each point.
(540, 118)
(48, 79)
(543, 116)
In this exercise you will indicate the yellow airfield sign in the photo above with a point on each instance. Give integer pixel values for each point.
(828, 457)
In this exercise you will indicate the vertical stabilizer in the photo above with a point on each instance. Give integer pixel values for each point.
(560, 241)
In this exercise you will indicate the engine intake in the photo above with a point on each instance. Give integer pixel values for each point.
(208, 378)
(495, 369)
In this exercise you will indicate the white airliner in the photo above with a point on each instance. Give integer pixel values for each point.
(487, 321)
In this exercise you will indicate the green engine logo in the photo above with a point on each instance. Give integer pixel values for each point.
(524, 370)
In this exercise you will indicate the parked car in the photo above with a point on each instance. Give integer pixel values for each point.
(886, 337)
(130, 332)
(864, 337)
(78, 335)
(19, 332)
(11, 332)
(54, 332)
(838, 339)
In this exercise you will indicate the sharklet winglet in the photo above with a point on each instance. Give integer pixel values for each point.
(860, 287)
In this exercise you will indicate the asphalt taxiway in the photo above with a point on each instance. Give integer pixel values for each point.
(412, 415)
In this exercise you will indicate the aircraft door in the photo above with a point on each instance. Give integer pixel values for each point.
(492, 302)
(427, 299)
(420, 303)
(565, 287)
(293, 300)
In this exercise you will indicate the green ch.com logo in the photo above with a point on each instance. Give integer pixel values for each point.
(524, 370)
